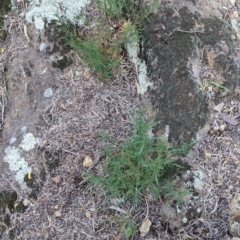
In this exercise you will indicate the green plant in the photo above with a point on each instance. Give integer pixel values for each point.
(207, 82)
(139, 167)
(127, 226)
(127, 10)
(101, 45)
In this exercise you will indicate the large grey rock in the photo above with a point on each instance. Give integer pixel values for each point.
(179, 45)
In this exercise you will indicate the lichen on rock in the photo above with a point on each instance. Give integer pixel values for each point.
(177, 45)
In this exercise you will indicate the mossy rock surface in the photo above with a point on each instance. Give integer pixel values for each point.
(5, 7)
(176, 48)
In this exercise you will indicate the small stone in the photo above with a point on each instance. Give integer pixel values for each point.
(233, 14)
(25, 202)
(216, 128)
(58, 214)
(12, 140)
(88, 214)
(237, 90)
(48, 93)
(222, 127)
(230, 127)
(42, 46)
(24, 129)
(232, 2)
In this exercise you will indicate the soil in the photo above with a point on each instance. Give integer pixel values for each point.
(70, 123)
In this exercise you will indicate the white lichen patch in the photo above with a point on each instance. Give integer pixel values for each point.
(198, 177)
(16, 163)
(13, 156)
(29, 142)
(48, 10)
(143, 80)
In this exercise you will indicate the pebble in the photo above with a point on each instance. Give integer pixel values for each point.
(42, 47)
(232, 2)
(222, 127)
(48, 93)
(12, 140)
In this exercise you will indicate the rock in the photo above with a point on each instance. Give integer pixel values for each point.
(174, 65)
(235, 205)
(30, 77)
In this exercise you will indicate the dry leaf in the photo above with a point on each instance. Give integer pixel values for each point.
(62, 106)
(86, 73)
(57, 179)
(87, 161)
(229, 119)
(219, 107)
(58, 214)
(145, 227)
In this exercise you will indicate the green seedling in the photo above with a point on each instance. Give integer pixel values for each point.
(139, 167)
(124, 222)
(207, 82)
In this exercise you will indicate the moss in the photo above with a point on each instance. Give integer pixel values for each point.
(5, 7)
(20, 208)
(62, 63)
(54, 34)
(7, 200)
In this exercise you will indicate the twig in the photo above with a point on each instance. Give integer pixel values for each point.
(185, 31)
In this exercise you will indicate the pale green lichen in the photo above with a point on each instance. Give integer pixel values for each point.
(28, 142)
(40, 11)
(13, 156)
(16, 163)
(143, 80)
(197, 182)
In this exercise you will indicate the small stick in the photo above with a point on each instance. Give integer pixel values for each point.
(191, 31)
